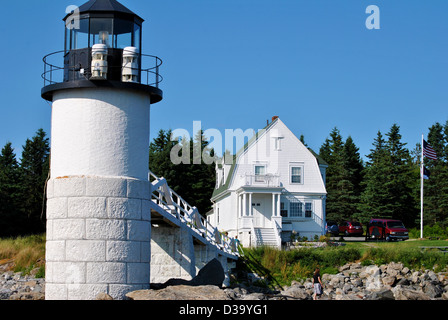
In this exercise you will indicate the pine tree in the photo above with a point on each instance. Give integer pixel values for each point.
(34, 169)
(203, 173)
(390, 179)
(401, 179)
(192, 178)
(353, 170)
(374, 195)
(10, 193)
(436, 187)
(343, 176)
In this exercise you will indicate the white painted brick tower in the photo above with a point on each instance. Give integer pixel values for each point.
(98, 215)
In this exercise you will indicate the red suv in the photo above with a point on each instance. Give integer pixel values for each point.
(351, 228)
(387, 229)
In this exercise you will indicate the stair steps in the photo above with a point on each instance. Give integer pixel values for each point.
(266, 237)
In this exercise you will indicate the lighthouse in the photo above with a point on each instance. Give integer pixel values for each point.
(101, 87)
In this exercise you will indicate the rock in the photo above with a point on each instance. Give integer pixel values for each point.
(181, 292)
(432, 290)
(385, 294)
(415, 277)
(211, 274)
(296, 292)
(405, 293)
(388, 280)
(373, 281)
(403, 282)
(103, 296)
(348, 297)
(254, 296)
(5, 294)
(394, 269)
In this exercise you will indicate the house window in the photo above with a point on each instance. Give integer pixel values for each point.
(283, 210)
(308, 209)
(260, 172)
(296, 174)
(295, 209)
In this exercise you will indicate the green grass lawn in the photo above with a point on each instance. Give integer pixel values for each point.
(282, 267)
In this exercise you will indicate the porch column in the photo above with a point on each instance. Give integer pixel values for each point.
(273, 205)
(244, 205)
(250, 205)
(278, 204)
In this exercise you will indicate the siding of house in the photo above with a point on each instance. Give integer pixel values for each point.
(278, 160)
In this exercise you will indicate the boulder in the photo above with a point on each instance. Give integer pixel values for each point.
(180, 292)
(211, 274)
(385, 294)
(388, 280)
(296, 292)
(432, 290)
(406, 293)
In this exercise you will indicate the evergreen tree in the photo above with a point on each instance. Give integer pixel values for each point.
(436, 187)
(34, 170)
(192, 178)
(159, 157)
(10, 193)
(374, 195)
(401, 179)
(203, 173)
(344, 176)
(390, 179)
(353, 170)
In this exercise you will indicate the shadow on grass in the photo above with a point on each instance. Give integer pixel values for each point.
(251, 264)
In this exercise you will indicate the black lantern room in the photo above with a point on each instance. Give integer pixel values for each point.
(103, 43)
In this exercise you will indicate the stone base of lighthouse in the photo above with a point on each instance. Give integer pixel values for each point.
(98, 237)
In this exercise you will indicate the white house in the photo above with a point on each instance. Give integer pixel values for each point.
(274, 187)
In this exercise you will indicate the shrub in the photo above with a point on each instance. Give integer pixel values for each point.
(27, 252)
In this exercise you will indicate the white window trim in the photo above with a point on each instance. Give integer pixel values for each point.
(300, 212)
(301, 166)
(312, 209)
(262, 180)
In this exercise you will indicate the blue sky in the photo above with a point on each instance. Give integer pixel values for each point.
(236, 63)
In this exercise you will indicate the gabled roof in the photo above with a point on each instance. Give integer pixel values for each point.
(226, 184)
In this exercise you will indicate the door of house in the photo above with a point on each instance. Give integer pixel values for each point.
(260, 211)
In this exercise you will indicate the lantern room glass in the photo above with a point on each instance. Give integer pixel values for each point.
(114, 32)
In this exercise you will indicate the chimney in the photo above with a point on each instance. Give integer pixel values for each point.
(274, 118)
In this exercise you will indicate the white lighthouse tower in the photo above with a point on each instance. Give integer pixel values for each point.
(98, 215)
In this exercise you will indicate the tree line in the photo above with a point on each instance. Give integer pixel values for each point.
(22, 187)
(387, 184)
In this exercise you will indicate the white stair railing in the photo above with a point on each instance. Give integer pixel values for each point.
(181, 210)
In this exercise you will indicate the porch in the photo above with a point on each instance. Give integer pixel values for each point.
(258, 210)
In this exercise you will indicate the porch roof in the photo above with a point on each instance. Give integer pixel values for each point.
(259, 189)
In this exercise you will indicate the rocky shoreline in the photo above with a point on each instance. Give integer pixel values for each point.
(391, 281)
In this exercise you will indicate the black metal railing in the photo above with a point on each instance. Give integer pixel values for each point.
(54, 73)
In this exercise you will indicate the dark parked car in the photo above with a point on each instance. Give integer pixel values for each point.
(351, 228)
(332, 228)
